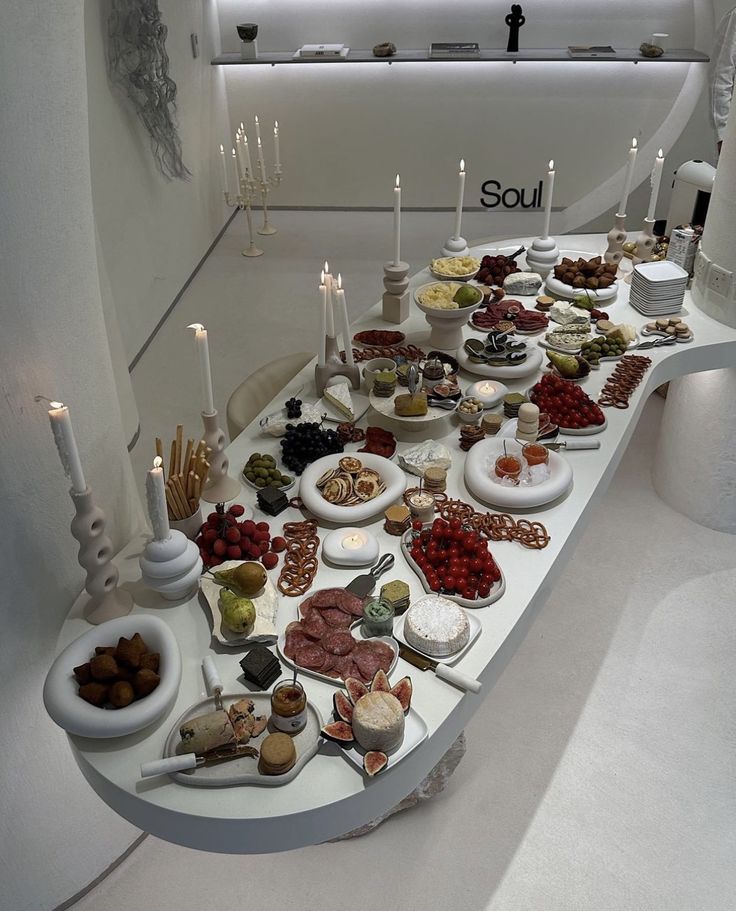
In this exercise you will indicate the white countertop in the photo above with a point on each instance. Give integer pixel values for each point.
(330, 796)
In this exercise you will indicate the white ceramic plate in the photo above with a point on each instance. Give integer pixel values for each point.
(75, 716)
(590, 430)
(457, 314)
(356, 634)
(497, 589)
(391, 475)
(384, 405)
(245, 770)
(475, 628)
(562, 290)
(444, 277)
(545, 344)
(266, 604)
(678, 338)
(415, 731)
(360, 406)
(532, 363)
(479, 465)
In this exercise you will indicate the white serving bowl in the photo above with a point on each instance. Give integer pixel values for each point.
(393, 477)
(75, 716)
(447, 314)
(468, 418)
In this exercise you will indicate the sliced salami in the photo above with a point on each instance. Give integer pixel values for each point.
(348, 668)
(367, 659)
(384, 653)
(335, 617)
(337, 597)
(311, 657)
(305, 606)
(330, 663)
(338, 642)
(314, 625)
(294, 638)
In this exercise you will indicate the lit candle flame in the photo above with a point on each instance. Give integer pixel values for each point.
(322, 276)
(397, 182)
(633, 143)
(242, 126)
(56, 404)
(660, 154)
(339, 281)
(256, 118)
(233, 153)
(551, 164)
(158, 462)
(327, 268)
(222, 149)
(198, 327)
(462, 164)
(275, 126)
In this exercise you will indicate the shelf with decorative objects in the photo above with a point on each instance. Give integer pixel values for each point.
(485, 55)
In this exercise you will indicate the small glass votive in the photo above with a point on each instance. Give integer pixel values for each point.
(535, 454)
(508, 466)
(378, 617)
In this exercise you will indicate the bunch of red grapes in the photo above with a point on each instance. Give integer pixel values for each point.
(454, 560)
(223, 537)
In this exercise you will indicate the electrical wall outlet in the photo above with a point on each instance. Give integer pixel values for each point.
(719, 280)
(701, 267)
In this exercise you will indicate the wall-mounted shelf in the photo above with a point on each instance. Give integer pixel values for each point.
(487, 55)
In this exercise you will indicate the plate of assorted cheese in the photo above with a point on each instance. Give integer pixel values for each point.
(341, 403)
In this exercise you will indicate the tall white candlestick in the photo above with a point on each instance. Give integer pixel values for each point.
(548, 200)
(225, 188)
(156, 501)
(322, 356)
(460, 194)
(655, 181)
(239, 151)
(276, 146)
(246, 156)
(258, 131)
(238, 172)
(61, 426)
(629, 179)
(342, 311)
(203, 350)
(330, 316)
(261, 165)
(397, 222)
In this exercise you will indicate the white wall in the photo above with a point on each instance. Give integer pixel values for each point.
(153, 232)
(56, 835)
(346, 129)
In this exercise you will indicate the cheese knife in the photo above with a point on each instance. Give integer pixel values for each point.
(573, 444)
(443, 671)
(362, 586)
(186, 761)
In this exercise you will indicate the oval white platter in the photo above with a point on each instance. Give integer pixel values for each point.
(575, 431)
(479, 465)
(475, 629)
(532, 363)
(355, 633)
(497, 589)
(266, 604)
(75, 716)
(562, 290)
(658, 332)
(415, 731)
(384, 405)
(391, 475)
(446, 313)
(245, 769)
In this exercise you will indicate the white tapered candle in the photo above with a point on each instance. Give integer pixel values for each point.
(460, 195)
(322, 356)
(656, 179)
(156, 501)
(258, 131)
(225, 188)
(261, 165)
(203, 351)
(397, 222)
(330, 324)
(246, 156)
(276, 145)
(236, 162)
(629, 179)
(66, 444)
(548, 200)
(342, 312)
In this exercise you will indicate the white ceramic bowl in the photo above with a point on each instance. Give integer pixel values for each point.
(75, 716)
(468, 418)
(393, 477)
(461, 313)
(443, 276)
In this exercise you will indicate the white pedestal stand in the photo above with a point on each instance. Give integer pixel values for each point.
(171, 566)
(220, 486)
(694, 473)
(542, 256)
(616, 239)
(249, 50)
(455, 246)
(644, 242)
(395, 297)
(106, 600)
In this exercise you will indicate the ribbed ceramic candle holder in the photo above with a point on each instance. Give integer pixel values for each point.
(542, 255)
(171, 566)
(220, 486)
(106, 600)
(616, 239)
(395, 297)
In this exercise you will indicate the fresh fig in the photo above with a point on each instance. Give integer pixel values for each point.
(403, 691)
(343, 707)
(356, 688)
(338, 732)
(374, 762)
(380, 683)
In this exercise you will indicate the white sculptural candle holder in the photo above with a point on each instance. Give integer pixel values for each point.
(455, 246)
(171, 566)
(644, 242)
(396, 296)
(220, 487)
(542, 255)
(106, 600)
(334, 366)
(244, 200)
(616, 240)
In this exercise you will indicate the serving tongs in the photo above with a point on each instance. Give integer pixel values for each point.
(657, 343)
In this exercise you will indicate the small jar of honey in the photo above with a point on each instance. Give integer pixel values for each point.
(289, 707)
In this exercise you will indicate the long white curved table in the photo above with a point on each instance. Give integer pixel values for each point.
(330, 797)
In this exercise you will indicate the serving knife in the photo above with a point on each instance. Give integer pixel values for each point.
(195, 760)
(364, 585)
(573, 444)
(443, 671)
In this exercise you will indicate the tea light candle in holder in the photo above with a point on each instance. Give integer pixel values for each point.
(170, 563)
(488, 392)
(350, 547)
(421, 504)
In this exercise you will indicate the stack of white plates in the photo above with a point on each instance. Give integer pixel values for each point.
(658, 288)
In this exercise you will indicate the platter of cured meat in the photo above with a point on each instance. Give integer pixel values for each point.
(320, 643)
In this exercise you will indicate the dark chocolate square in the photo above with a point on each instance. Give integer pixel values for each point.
(272, 500)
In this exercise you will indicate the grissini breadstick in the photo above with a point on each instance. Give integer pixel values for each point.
(186, 464)
(181, 495)
(181, 507)
(179, 440)
(172, 459)
(190, 485)
(171, 503)
(197, 487)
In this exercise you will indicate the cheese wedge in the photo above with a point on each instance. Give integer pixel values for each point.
(339, 396)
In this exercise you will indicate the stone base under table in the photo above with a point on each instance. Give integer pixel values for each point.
(428, 788)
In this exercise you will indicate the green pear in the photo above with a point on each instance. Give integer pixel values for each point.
(238, 614)
(566, 364)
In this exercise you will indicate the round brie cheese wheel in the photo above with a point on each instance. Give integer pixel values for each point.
(436, 626)
(378, 722)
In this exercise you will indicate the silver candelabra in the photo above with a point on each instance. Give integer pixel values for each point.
(248, 188)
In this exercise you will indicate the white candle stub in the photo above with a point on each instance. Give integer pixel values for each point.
(486, 388)
(353, 542)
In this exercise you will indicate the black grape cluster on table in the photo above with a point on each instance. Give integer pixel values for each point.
(293, 408)
(305, 443)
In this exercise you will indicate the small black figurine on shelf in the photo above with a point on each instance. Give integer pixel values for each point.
(515, 19)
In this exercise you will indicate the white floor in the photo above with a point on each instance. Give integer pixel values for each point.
(599, 772)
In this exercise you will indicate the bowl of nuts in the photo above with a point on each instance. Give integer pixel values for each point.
(469, 410)
(115, 679)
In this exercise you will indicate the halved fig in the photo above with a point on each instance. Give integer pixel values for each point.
(356, 688)
(403, 690)
(343, 707)
(374, 762)
(380, 683)
(338, 732)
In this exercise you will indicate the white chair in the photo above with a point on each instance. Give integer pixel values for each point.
(255, 392)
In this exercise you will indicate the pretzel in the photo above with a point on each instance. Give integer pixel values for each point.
(498, 526)
(300, 558)
(620, 386)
